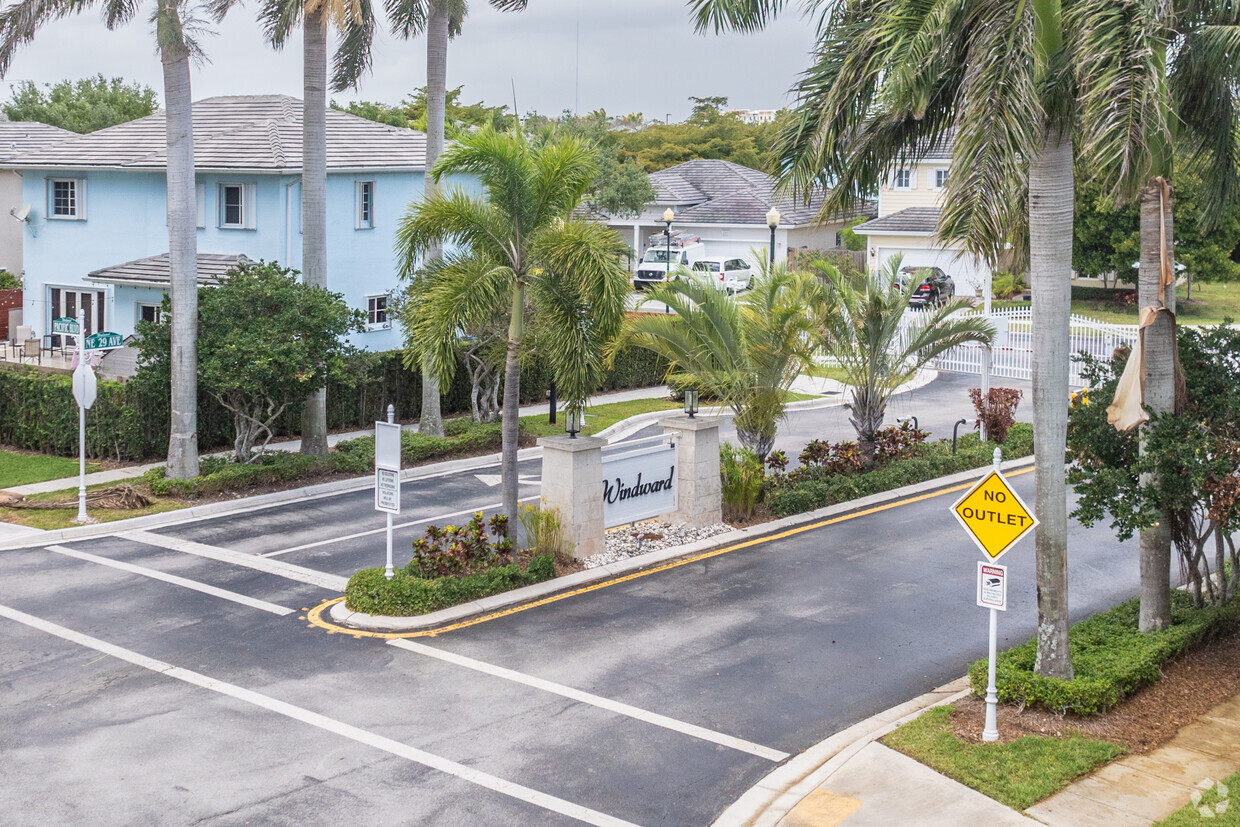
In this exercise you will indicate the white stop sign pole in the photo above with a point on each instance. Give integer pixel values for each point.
(85, 389)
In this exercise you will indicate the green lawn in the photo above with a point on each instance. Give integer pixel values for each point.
(598, 417)
(828, 372)
(1019, 773)
(1211, 304)
(1190, 814)
(56, 518)
(23, 469)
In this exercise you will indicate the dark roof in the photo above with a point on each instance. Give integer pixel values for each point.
(252, 133)
(937, 149)
(22, 136)
(911, 220)
(156, 272)
(707, 191)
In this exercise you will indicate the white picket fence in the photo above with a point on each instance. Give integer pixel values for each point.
(1012, 356)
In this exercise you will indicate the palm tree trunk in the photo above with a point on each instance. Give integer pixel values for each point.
(183, 259)
(1050, 241)
(431, 421)
(1159, 350)
(314, 202)
(511, 428)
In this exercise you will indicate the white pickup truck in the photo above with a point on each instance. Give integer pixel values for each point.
(653, 267)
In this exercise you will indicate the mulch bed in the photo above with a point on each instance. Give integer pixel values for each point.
(1147, 719)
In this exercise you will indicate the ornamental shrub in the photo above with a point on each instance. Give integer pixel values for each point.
(997, 411)
(407, 595)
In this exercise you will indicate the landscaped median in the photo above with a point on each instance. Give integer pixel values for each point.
(1131, 693)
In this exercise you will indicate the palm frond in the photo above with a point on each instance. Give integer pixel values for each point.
(407, 17)
(21, 21)
(353, 52)
(587, 257)
(734, 15)
(1204, 85)
(453, 217)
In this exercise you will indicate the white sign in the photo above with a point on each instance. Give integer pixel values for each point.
(992, 586)
(387, 490)
(85, 388)
(639, 484)
(387, 445)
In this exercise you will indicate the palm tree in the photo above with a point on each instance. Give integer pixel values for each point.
(745, 352)
(892, 78)
(518, 244)
(440, 20)
(18, 25)
(1153, 75)
(355, 22)
(879, 344)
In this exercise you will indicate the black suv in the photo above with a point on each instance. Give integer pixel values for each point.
(935, 289)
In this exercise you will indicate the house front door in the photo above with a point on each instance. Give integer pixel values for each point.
(67, 302)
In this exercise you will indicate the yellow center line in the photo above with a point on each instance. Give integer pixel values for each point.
(315, 618)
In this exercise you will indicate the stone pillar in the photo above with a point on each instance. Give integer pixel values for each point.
(572, 484)
(697, 465)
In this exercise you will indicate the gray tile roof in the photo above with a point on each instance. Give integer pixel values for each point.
(910, 220)
(156, 272)
(253, 133)
(22, 136)
(939, 149)
(706, 191)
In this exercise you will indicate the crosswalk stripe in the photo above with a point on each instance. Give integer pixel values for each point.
(331, 582)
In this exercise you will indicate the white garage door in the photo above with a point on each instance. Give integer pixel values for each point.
(966, 271)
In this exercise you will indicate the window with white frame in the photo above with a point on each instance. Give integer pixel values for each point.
(940, 178)
(903, 179)
(236, 206)
(377, 312)
(364, 212)
(145, 312)
(65, 198)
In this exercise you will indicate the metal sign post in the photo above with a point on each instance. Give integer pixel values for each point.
(387, 476)
(85, 389)
(996, 517)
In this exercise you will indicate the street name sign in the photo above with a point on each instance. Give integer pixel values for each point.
(103, 340)
(994, 515)
(991, 586)
(67, 326)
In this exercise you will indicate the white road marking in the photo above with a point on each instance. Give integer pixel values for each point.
(252, 602)
(492, 480)
(396, 527)
(331, 582)
(297, 713)
(692, 730)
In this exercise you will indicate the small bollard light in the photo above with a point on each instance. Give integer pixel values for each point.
(572, 422)
(691, 402)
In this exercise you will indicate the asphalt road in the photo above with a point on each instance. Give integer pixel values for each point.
(128, 695)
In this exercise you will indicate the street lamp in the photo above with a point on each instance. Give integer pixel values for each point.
(772, 221)
(573, 421)
(691, 402)
(668, 217)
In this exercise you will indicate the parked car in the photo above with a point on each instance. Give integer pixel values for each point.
(653, 267)
(730, 274)
(935, 289)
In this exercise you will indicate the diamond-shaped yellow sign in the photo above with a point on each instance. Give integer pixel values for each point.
(994, 515)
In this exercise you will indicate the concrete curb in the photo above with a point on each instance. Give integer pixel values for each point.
(379, 623)
(772, 798)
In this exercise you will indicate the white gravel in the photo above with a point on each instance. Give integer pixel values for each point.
(642, 538)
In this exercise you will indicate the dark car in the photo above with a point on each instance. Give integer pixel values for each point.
(935, 289)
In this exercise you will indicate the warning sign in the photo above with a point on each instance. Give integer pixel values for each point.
(994, 515)
(992, 586)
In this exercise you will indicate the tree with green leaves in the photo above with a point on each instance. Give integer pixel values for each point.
(265, 342)
(879, 348)
(517, 244)
(81, 106)
(744, 352)
(174, 37)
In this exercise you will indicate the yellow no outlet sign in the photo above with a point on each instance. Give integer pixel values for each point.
(994, 515)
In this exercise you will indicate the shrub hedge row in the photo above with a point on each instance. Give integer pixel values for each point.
(933, 460)
(406, 595)
(129, 420)
(1110, 658)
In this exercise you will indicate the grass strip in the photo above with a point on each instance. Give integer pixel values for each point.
(24, 469)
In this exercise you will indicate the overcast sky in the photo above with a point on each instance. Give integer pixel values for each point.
(621, 55)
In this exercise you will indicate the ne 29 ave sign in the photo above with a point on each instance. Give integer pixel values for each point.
(639, 484)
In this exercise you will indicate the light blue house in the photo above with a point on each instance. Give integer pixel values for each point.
(96, 235)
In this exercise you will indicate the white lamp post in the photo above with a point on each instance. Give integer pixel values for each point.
(772, 221)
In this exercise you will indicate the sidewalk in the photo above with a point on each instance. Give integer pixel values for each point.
(132, 471)
(853, 780)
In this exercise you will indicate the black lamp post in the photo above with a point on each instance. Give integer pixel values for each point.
(772, 221)
(668, 217)
(691, 402)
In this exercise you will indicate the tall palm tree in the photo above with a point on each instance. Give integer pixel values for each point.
(745, 352)
(889, 80)
(517, 244)
(354, 20)
(1154, 75)
(18, 25)
(876, 342)
(440, 20)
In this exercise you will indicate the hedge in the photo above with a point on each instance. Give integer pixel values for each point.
(1101, 293)
(934, 460)
(406, 595)
(1110, 658)
(129, 420)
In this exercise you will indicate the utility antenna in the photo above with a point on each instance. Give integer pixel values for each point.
(515, 112)
(577, 67)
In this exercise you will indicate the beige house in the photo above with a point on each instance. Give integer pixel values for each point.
(17, 137)
(908, 215)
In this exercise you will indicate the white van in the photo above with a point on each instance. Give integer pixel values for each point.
(730, 274)
(653, 268)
